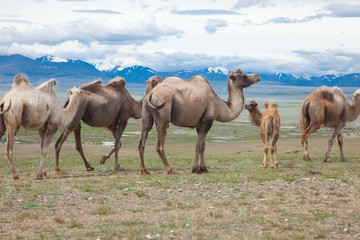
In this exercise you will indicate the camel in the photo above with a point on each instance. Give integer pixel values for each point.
(269, 123)
(108, 106)
(191, 104)
(35, 109)
(327, 107)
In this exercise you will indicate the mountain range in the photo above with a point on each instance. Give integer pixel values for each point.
(77, 72)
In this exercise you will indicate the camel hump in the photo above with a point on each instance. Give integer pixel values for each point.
(48, 86)
(269, 104)
(116, 83)
(92, 87)
(328, 96)
(19, 79)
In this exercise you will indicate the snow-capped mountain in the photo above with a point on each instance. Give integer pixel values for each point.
(77, 72)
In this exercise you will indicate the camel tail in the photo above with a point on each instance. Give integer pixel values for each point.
(149, 103)
(305, 117)
(270, 127)
(2, 111)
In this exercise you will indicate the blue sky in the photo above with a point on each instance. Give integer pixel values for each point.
(305, 38)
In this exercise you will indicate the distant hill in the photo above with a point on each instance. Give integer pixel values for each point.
(76, 72)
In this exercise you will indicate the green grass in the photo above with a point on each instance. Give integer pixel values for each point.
(237, 199)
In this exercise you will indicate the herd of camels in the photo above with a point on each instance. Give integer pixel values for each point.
(191, 103)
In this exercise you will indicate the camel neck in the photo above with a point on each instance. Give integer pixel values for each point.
(255, 117)
(136, 108)
(355, 110)
(228, 111)
(70, 111)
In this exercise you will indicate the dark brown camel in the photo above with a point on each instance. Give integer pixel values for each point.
(190, 104)
(327, 107)
(108, 106)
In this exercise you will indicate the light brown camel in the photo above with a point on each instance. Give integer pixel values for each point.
(327, 107)
(190, 104)
(108, 106)
(35, 109)
(269, 123)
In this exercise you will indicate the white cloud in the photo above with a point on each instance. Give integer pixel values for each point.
(213, 25)
(303, 37)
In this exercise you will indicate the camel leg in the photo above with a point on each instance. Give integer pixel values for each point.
(341, 144)
(200, 148)
(161, 130)
(118, 133)
(313, 127)
(266, 149)
(9, 151)
(147, 124)
(78, 147)
(45, 138)
(115, 131)
(336, 132)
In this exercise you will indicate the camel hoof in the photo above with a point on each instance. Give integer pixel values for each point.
(172, 172)
(89, 169)
(16, 178)
(103, 159)
(306, 158)
(327, 160)
(277, 166)
(119, 169)
(144, 172)
(196, 170)
(203, 169)
(342, 159)
(59, 172)
(39, 177)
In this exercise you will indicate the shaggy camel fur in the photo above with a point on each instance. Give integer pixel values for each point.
(269, 123)
(190, 104)
(35, 109)
(327, 107)
(108, 106)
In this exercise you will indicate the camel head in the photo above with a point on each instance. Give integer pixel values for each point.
(151, 83)
(74, 96)
(356, 96)
(250, 106)
(242, 80)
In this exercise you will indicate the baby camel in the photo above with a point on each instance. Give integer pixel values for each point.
(269, 123)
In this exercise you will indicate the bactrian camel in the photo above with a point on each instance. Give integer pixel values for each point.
(269, 123)
(108, 106)
(35, 109)
(327, 107)
(191, 104)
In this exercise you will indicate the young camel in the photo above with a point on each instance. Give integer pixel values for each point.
(190, 104)
(269, 123)
(35, 109)
(108, 106)
(327, 107)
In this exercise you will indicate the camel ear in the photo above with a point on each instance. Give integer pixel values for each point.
(255, 103)
(70, 92)
(232, 77)
(266, 104)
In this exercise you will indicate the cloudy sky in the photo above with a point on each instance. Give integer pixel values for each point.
(305, 38)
